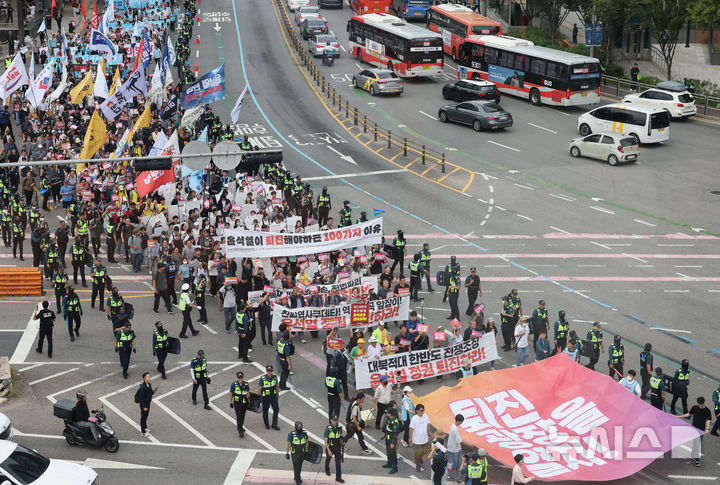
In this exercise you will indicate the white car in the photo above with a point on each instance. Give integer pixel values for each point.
(294, 4)
(318, 44)
(6, 429)
(22, 466)
(669, 95)
(309, 11)
(612, 147)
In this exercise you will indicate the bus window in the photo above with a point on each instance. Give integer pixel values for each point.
(552, 69)
(519, 62)
(537, 66)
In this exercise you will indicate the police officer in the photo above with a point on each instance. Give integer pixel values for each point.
(62, 237)
(72, 311)
(425, 265)
(77, 257)
(616, 358)
(6, 225)
(297, 445)
(98, 283)
(186, 306)
(83, 230)
(506, 326)
(198, 371)
(400, 250)
(716, 402)
(472, 283)
(171, 271)
(46, 317)
(52, 257)
(228, 134)
(415, 275)
(539, 321)
(646, 366)
(562, 327)
(268, 389)
(323, 206)
(124, 345)
(33, 216)
(200, 289)
(160, 346)
(346, 215)
(59, 280)
(657, 389)
(454, 293)
(595, 336)
(243, 327)
(114, 304)
(477, 468)
(283, 353)
(239, 399)
(334, 447)
(110, 240)
(516, 304)
(681, 380)
(334, 391)
(18, 238)
(448, 269)
(392, 429)
(245, 144)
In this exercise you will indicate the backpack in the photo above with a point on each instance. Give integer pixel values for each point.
(291, 348)
(348, 414)
(138, 397)
(401, 426)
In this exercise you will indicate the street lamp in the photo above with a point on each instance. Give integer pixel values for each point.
(687, 35)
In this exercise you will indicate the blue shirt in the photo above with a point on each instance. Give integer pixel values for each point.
(573, 354)
(66, 192)
(542, 349)
(411, 325)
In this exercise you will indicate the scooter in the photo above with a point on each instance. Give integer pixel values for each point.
(328, 58)
(78, 435)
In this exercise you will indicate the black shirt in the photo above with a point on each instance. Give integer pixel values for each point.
(46, 318)
(700, 416)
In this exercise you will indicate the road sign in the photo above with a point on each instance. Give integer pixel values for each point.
(227, 155)
(593, 35)
(196, 147)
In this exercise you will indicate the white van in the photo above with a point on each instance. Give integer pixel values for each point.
(645, 124)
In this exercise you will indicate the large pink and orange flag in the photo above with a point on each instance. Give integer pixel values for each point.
(570, 423)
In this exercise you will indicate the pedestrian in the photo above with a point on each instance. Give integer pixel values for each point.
(269, 391)
(143, 397)
(159, 283)
(391, 431)
(574, 34)
(657, 390)
(243, 327)
(334, 447)
(474, 290)
(634, 76)
(408, 411)
(355, 424)
(506, 325)
(200, 378)
(562, 327)
(701, 418)
(630, 382)
(98, 284)
(297, 445)
(47, 319)
(420, 436)
(681, 381)
(616, 358)
(136, 251)
(186, 305)
(383, 395)
(454, 449)
(595, 336)
(716, 402)
(284, 351)
(573, 349)
(160, 347)
(124, 346)
(454, 293)
(518, 476)
(334, 392)
(646, 363)
(542, 347)
(226, 303)
(438, 459)
(72, 311)
(521, 342)
(239, 399)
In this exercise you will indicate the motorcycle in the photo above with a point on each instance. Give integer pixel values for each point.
(328, 58)
(78, 435)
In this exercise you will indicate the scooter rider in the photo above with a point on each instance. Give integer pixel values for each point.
(329, 54)
(81, 415)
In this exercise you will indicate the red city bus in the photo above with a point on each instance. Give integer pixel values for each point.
(456, 23)
(362, 7)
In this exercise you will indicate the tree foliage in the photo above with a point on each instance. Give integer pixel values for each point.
(705, 13)
(665, 18)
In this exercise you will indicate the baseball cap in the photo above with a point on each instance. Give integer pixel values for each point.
(407, 389)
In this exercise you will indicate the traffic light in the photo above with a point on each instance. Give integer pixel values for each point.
(261, 157)
(152, 164)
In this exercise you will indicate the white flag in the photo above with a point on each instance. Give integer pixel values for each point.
(14, 78)
(156, 90)
(40, 86)
(101, 87)
(42, 26)
(31, 69)
(108, 17)
(235, 114)
(63, 81)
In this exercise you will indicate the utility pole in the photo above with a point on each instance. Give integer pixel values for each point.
(687, 35)
(592, 37)
(20, 12)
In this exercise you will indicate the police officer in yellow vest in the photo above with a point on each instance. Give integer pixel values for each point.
(198, 371)
(425, 266)
(52, 255)
(334, 391)
(562, 327)
(268, 389)
(334, 448)
(98, 284)
(77, 252)
(160, 347)
(59, 280)
(297, 445)
(283, 353)
(110, 240)
(400, 252)
(323, 206)
(186, 306)
(454, 293)
(477, 468)
(239, 399)
(616, 358)
(681, 380)
(6, 224)
(391, 430)
(415, 275)
(83, 230)
(72, 311)
(18, 238)
(595, 336)
(657, 389)
(124, 345)
(115, 303)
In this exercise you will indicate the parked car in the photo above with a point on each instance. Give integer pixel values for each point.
(22, 466)
(6, 429)
(318, 44)
(481, 115)
(669, 95)
(313, 26)
(378, 81)
(467, 90)
(306, 12)
(613, 147)
(293, 4)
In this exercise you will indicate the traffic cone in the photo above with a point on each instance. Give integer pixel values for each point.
(197, 41)
(197, 71)
(198, 19)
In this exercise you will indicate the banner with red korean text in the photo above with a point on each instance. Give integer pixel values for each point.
(325, 318)
(241, 243)
(423, 364)
(569, 422)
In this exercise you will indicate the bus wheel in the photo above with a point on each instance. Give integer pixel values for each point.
(535, 97)
(585, 129)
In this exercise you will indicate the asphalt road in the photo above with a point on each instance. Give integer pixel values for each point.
(613, 244)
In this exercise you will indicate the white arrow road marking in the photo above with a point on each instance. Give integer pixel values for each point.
(347, 158)
(217, 27)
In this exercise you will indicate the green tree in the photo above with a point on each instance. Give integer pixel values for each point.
(705, 13)
(556, 11)
(665, 19)
(613, 13)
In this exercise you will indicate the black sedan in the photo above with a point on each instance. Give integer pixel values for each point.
(313, 26)
(470, 90)
(481, 115)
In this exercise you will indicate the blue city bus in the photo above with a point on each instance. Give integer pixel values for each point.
(411, 9)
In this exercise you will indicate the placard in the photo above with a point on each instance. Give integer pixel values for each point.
(335, 343)
(359, 313)
(403, 291)
(439, 336)
(422, 328)
(455, 323)
(479, 307)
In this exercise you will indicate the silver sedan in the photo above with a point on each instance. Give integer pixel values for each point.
(318, 44)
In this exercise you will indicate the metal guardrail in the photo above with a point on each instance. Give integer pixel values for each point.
(657, 59)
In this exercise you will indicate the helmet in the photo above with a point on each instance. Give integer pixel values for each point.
(298, 425)
(114, 291)
(561, 314)
(648, 346)
(81, 395)
(617, 339)
(185, 287)
(685, 363)
(426, 245)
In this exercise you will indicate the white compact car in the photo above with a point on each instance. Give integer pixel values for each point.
(6, 430)
(22, 466)
(293, 4)
(306, 12)
(668, 95)
(613, 147)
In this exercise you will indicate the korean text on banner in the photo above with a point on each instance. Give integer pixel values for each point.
(207, 89)
(569, 422)
(340, 316)
(241, 243)
(422, 364)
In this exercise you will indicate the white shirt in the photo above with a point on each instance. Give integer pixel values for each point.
(419, 425)
(518, 476)
(373, 350)
(454, 440)
(521, 335)
(383, 393)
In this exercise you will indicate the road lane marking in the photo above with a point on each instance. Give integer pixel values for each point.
(38, 381)
(27, 340)
(562, 197)
(640, 221)
(601, 245)
(524, 217)
(524, 186)
(675, 245)
(428, 115)
(184, 423)
(126, 417)
(542, 128)
(362, 174)
(504, 146)
(239, 468)
(558, 229)
(602, 209)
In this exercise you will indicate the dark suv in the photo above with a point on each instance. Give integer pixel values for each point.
(470, 90)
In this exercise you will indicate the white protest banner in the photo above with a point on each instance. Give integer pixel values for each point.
(424, 364)
(325, 318)
(241, 243)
